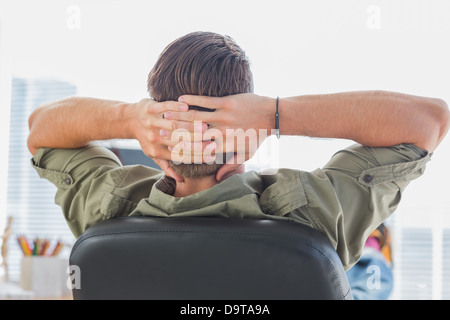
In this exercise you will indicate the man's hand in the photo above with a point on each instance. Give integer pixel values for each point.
(149, 126)
(238, 125)
(152, 127)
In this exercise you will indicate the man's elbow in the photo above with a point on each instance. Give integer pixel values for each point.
(439, 123)
(31, 146)
(443, 118)
(31, 141)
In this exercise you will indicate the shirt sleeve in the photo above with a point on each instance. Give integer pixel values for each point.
(358, 189)
(92, 185)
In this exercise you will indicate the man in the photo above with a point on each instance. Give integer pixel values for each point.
(345, 200)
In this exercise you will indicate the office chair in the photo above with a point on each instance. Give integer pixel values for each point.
(206, 259)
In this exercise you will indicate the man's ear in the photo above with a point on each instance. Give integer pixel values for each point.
(164, 165)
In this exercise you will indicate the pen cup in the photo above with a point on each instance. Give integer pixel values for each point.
(45, 276)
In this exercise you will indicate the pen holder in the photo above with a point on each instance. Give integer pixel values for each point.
(45, 276)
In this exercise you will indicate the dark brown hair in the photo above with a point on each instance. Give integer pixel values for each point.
(200, 63)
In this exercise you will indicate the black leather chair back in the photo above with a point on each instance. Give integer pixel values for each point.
(206, 258)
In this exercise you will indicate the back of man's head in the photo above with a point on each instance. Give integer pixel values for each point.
(200, 63)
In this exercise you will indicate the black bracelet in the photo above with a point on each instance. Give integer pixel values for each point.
(277, 121)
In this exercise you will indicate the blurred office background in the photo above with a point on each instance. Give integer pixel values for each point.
(105, 49)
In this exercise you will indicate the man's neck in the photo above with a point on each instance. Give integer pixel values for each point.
(193, 185)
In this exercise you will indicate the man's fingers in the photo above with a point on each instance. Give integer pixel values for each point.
(187, 149)
(181, 156)
(192, 115)
(170, 123)
(201, 101)
(195, 133)
(161, 107)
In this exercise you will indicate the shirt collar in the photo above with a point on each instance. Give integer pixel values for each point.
(236, 186)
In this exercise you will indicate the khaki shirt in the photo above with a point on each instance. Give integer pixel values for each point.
(346, 200)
